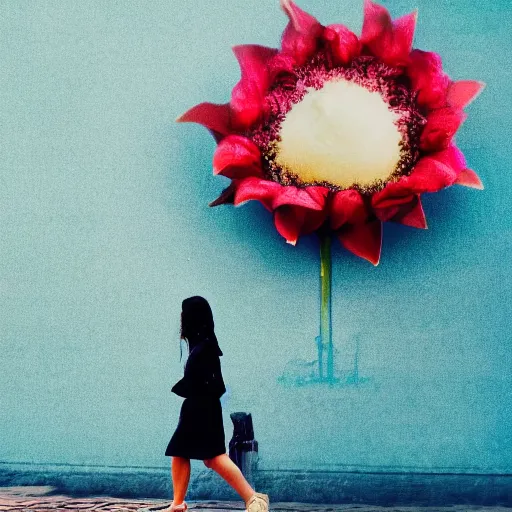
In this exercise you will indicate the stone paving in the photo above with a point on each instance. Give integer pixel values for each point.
(42, 499)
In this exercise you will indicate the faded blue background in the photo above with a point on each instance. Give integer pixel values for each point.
(104, 229)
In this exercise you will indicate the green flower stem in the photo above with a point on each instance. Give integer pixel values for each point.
(325, 307)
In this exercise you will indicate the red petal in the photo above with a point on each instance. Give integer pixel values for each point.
(392, 207)
(290, 195)
(389, 40)
(281, 63)
(248, 94)
(376, 21)
(313, 220)
(301, 34)
(364, 240)
(227, 196)
(453, 157)
(404, 28)
(293, 221)
(442, 124)
(237, 157)
(318, 194)
(257, 189)
(463, 92)
(246, 104)
(437, 171)
(431, 174)
(217, 118)
(347, 206)
(413, 215)
(469, 178)
(289, 222)
(254, 61)
(425, 69)
(388, 201)
(344, 43)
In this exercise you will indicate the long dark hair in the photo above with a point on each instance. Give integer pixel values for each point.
(197, 323)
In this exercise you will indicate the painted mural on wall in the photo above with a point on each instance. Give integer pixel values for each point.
(300, 372)
(336, 134)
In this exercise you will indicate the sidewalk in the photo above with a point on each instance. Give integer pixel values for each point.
(32, 499)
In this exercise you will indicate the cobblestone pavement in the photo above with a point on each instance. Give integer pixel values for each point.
(40, 499)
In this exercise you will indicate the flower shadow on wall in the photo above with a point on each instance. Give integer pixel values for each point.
(335, 134)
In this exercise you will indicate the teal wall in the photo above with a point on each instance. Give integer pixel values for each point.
(104, 229)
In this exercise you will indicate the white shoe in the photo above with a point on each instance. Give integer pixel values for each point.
(170, 508)
(258, 502)
(173, 507)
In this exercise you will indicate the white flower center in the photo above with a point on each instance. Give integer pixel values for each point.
(343, 134)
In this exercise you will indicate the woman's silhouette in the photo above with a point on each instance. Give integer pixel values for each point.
(200, 431)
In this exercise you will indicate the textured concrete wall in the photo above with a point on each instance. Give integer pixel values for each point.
(104, 229)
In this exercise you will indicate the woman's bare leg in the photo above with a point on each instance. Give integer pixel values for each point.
(228, 470)
(180, 470)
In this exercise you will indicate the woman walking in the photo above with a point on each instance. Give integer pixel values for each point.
(200, 430)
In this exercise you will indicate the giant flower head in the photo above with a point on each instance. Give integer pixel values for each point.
(340, 131)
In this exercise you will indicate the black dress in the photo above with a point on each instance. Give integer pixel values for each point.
(200, 430)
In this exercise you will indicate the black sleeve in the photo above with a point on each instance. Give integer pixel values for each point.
(203, 374)
(187, 387)
(216, 385)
